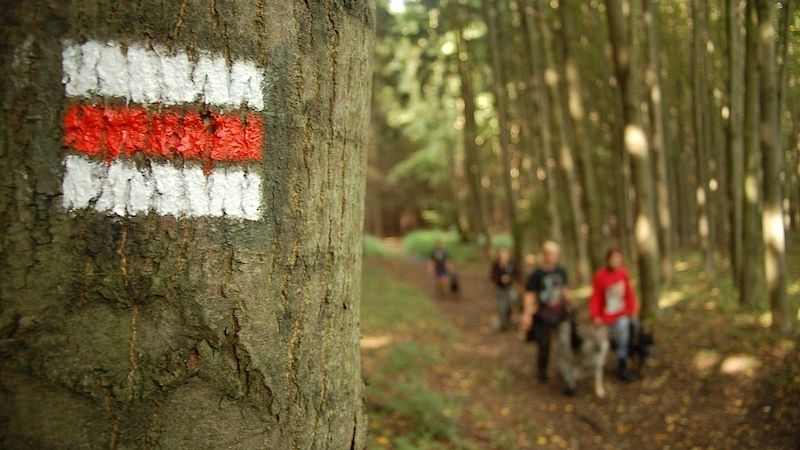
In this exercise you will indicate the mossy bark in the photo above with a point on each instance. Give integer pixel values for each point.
(156, 332)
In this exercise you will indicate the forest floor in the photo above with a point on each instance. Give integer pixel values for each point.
(440, 376)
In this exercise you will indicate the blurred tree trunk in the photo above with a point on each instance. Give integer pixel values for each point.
(590, 201)
(772, 159)
(637, 147)
(750, 280)
(565, 152)
(656, 110)
(472, 158)
(783, 52)
(152, 331)
(701, 137)
(538, 67)
(735, 139)
(498, 86)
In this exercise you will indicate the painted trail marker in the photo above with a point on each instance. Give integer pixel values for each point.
(157, 154)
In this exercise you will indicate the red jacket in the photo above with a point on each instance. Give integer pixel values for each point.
(612, 295)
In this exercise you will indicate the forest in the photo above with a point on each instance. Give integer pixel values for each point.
(657, 126)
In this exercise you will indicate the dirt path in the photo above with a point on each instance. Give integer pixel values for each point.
(691, 397)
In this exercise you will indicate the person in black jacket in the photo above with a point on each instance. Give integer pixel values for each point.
(546, 303)
(504, 272)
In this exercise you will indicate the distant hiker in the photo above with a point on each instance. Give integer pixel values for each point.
(439, 267)
(504, 272)
(613, 304)
(546, 300)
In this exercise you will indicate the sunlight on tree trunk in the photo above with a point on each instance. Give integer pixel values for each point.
(570, 74)
(471, 153)
(534, 40)
(772, 160)
(656, 110)
(751, 280)
(636, 146)
(701, 131)
(498, 84)
(565, 151)
(735, 141)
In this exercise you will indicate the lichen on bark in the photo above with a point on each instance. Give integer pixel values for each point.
(161, 332)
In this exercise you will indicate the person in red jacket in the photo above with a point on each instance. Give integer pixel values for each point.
(614, 304)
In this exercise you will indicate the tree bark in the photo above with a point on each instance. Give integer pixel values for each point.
(637, 147)
(735, 139)
(534, 40)
(157, 331)
(498, 86)
(750, 280)
(590, 201)
(566, 151)
(701, 132)
(772, 160)
(656, 110)
(471, 151)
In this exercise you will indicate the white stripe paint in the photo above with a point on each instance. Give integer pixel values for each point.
(157, 76)
(123, 189)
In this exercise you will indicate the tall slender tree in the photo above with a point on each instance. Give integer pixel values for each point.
(701, 136)
(565, 152)
(637, 147)
(470, 134)
(734, 129)
(570, 74)
(656, 111)
(749, 280)
(538, 68)
(772, 160)
(498, 85)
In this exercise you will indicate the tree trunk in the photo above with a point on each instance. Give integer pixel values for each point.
(471, 151)
(704, 225)
(583, 152)
(772, 159)
(178, 302)
(735, 140)
(565, 152)
(750, 280)
(653, 82)
(543, 100)
(636, 146)
(498, 86)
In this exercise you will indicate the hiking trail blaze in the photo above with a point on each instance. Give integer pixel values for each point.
(137, 143)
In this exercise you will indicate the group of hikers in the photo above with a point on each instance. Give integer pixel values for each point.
(547, 301)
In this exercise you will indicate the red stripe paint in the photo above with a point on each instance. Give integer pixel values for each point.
(113, 131)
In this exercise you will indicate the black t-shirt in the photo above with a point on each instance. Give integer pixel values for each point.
(549, 285)
(498, 270)
(439, 257)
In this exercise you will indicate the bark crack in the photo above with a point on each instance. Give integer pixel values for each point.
(132, 353)
(179, 20)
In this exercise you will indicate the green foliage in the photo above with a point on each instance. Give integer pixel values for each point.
(394, 308)
(403, 391)
(420, 243)
(399, 397)
(374, 247)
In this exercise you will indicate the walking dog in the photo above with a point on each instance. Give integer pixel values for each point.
(582, 350)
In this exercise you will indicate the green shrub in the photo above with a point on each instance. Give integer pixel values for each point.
(373, 246)
(421, 243)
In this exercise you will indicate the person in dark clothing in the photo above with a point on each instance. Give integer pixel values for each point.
(504, 272)
(546, 301)
(439, 267)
